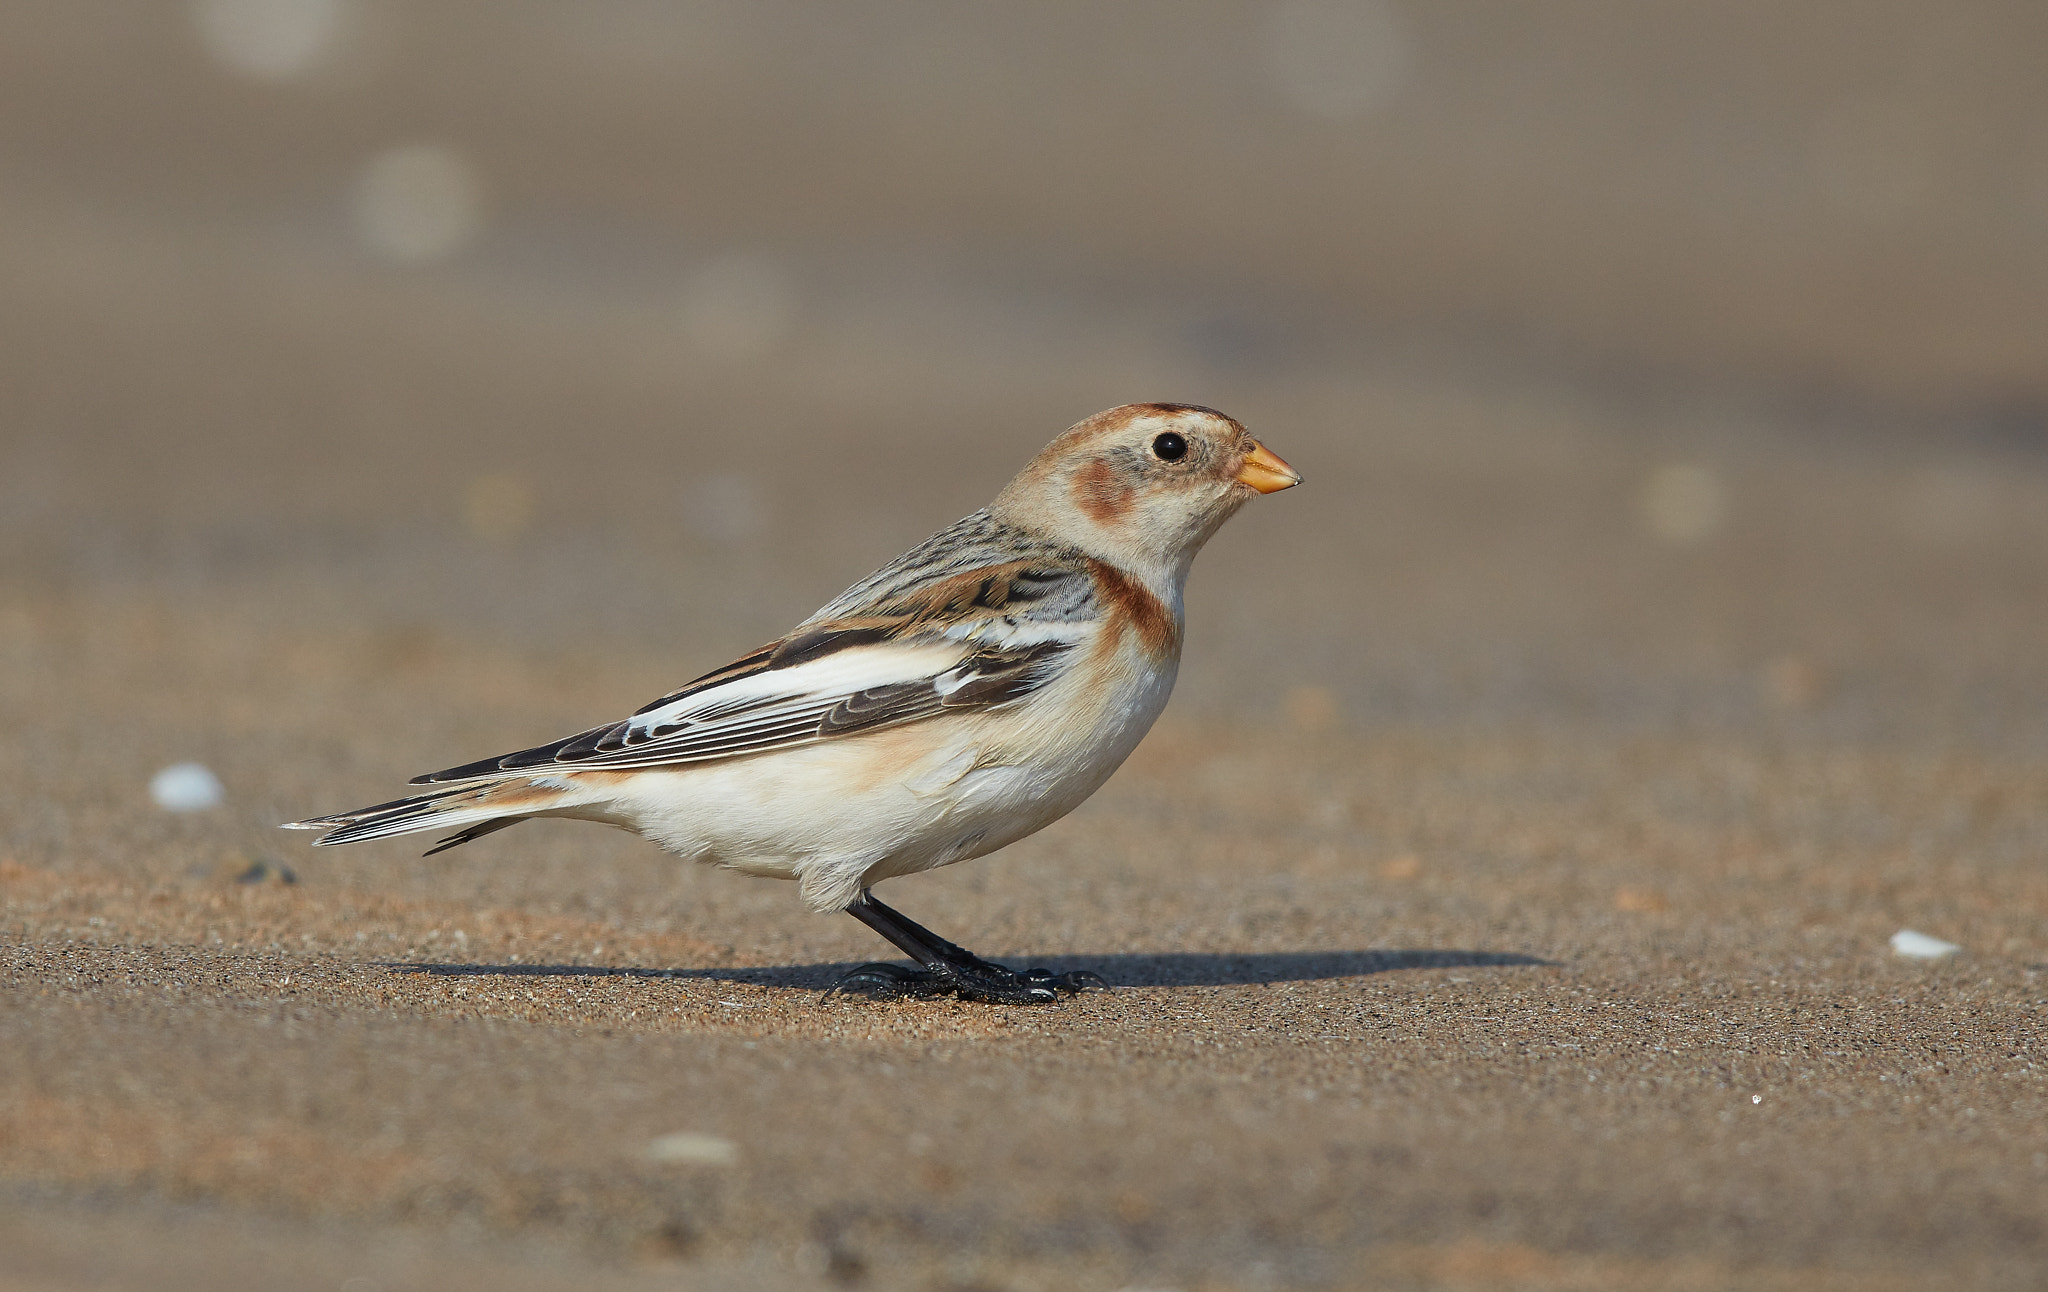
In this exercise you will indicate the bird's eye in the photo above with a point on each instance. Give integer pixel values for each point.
(1170, 447)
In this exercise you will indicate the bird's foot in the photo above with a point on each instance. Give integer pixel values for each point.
(978, 980)
(949, 969)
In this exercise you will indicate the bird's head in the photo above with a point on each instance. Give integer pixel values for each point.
(1143, 486)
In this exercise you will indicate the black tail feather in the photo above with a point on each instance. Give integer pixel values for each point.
(477, 831)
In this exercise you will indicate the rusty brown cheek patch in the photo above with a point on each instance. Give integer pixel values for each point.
(1102, 497)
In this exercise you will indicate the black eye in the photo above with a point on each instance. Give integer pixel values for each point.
(1170, 447)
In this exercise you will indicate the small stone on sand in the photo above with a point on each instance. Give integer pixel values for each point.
(1918, 946)
(688, 1149)
(185, 787)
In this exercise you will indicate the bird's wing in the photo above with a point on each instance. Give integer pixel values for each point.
(959, 640)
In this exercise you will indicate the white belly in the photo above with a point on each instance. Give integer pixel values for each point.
(843, 814)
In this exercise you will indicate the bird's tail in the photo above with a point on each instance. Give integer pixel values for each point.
(473, 811)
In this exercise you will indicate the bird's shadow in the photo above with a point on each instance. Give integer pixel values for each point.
(1124, 969)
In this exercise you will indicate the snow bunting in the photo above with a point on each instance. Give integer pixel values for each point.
(970, 692)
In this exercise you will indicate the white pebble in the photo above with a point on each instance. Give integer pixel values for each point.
(1337, 59)
(691, 1149)
(185, 787)
(418, 203)
(1919, 946)
(271, 40)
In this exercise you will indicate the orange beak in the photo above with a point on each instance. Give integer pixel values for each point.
(1264, 471)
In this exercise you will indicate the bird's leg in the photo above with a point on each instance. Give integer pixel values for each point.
(950, 969)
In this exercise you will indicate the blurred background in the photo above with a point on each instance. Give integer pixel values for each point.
(385, 384)
(1648, 363)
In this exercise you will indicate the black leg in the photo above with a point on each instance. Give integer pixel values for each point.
(949, 969)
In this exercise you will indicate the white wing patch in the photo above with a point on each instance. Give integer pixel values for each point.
(779, 695)
(845, 688)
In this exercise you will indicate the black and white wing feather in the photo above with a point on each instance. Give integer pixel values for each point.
(914, 648)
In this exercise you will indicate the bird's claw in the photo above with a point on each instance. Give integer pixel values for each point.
(893, 981)
(983, 981)
(1073, 982)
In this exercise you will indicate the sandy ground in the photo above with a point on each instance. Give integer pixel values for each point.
(1504, 902)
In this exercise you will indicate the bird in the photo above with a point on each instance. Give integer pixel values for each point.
(967, 694)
